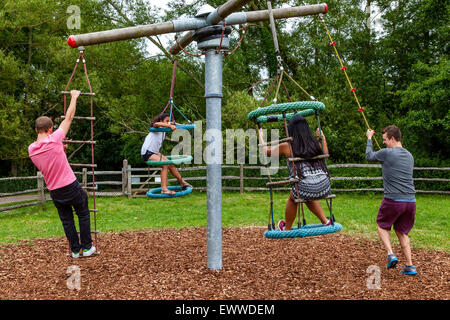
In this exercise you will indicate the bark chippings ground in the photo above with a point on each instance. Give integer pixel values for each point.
(172, 264)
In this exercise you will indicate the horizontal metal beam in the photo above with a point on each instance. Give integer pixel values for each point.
(155, 29)
(224, 12)
(255, 16)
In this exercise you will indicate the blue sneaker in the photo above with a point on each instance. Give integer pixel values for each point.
(409, 270)
(392, 261)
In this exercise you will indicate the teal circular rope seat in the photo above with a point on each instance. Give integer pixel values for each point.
(305, 107)
(308, 230)
(172, 160)
(156, 192)
(179, 127)
(279, 117)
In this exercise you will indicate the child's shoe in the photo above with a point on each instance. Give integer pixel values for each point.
(281, 225)
(76, 255)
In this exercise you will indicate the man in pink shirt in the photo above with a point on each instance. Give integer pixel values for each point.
(48, 155)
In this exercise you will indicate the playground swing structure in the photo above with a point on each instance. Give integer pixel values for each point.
(174, 159)
(213, 68)
(303, 108)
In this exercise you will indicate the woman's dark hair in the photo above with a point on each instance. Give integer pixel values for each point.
(159, 118)
(304, 144)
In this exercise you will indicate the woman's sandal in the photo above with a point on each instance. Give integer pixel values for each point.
(185, 186)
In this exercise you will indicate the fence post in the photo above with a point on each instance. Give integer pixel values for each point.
(129, 186)
(124, 175)
(241, 178)
(40, 185)
(84, 177)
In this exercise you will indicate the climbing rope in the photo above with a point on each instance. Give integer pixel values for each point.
(344, 69)
(91, 142)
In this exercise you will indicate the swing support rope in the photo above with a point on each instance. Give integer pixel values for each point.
(171, 103)
(344, 68)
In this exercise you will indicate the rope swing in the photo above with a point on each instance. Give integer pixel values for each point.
(304, 108)
(189, 125)
(175, 159)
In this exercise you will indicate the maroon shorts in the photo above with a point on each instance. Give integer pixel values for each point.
(397, 213)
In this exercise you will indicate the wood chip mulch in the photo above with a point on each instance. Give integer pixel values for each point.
(172, 264)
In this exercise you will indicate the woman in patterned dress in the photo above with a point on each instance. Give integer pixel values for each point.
(313, 175)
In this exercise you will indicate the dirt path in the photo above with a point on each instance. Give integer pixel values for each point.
(27, 197)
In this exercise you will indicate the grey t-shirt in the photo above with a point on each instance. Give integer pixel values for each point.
(397, 167)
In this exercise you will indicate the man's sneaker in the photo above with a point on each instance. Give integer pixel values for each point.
(88, 252)
(409, 270)
(281, 225)
(76, 254)
(392, 261)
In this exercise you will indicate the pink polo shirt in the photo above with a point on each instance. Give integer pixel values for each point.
(49, 157)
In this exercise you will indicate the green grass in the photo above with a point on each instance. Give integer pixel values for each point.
(356, 212)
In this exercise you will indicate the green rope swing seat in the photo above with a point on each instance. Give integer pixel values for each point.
(303, 108)
(171, 160)
(179, 191)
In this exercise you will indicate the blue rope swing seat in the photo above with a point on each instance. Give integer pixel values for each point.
(307, 230)
(180, 191)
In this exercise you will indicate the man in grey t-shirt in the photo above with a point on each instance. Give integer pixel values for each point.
(398, 207)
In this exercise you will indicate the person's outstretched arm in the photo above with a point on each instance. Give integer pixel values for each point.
(70, 112)
(163, 124)
(370, 154)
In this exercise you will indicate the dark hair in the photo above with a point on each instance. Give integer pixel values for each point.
(304, 145)
(43, 124)
(392, 131)
(159, 118)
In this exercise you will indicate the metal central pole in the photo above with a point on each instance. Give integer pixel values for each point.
(213, 95)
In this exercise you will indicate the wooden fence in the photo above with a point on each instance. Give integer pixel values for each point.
(135, 182)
